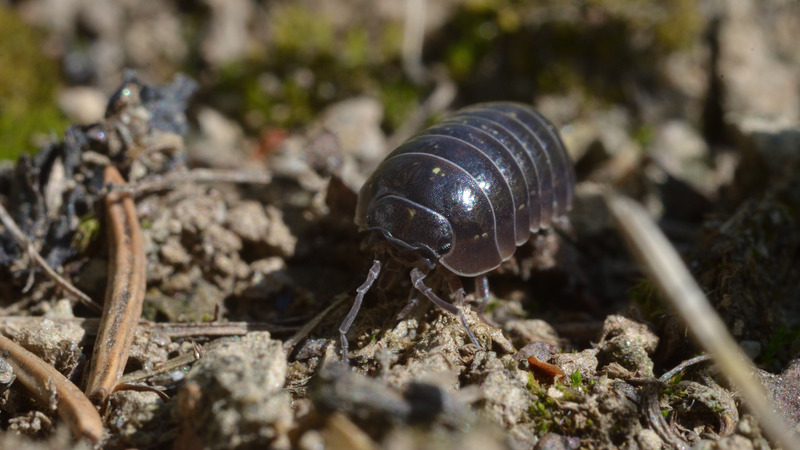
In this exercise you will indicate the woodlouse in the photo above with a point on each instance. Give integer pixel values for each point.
(464, 194)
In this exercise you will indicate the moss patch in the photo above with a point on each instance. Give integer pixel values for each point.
(28, 81)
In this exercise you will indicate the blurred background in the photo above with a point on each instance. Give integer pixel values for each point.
(658, 72)
(674, 80)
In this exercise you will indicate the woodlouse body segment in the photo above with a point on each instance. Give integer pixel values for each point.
(463, 194)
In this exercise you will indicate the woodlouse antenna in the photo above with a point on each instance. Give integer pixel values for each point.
(374, 271)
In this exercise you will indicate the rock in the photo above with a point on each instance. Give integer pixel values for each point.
(601, 145)
(279, 236)
(769, 144)
(60, 439)
(784, 391)
(681, 151)
(61, 310)
(755, 78)
(375, 406)
(226, 37)
(505, 398)
(648, 440)
(268, 276)
(525, 331)
(221, 142)
(341, 433)
(233, 397)
(552, 441)
(82, 105)
(7, 376)
(138, 419)
(173, 253)
(590, 216)
(628, 344)
(337, 388)
(249, 221)
(356, 124)
(147, 350)
(57, 343)
(584, 362)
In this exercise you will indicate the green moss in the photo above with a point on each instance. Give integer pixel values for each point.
(531, 384)
(576, 379)
(682, 26)
(461, 59)
(300, 32)
(508, 19)
(645, 295)
(644, 135)
(87, 232)
(309, 63)
(399, 100)
(390, 42)
(782, 339)
(491, 306)
(674, 23)
(676, 379)
(28, 81)
(355, 49)
(519, 49)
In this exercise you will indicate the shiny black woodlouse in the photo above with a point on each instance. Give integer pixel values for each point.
(464, 194)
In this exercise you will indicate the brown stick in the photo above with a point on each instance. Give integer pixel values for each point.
(168, 366)
(159, 182)
(37, 258)
(48, 385)
(124, 292)
(10, 326)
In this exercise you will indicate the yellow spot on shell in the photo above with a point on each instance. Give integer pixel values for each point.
(485, 235)
(412, 212)
(436, 170)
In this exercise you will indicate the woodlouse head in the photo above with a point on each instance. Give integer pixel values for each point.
(407, 231)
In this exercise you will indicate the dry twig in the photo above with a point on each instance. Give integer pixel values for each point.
(682, 366)
(28, 246)
(441, 97)
(211, 329)
(161, 182)
(49, 387)
(652, 249)
(311, 324)
(414, 39)
(124, 293)
(10, 326)
(167, 366)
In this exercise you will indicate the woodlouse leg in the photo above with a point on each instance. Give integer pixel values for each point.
(563, 226)
(481, 293)
(389, 271)
(456, 288)
(374, 271)
(413, 301)
(388, 275)
(417, 277)
(482, 297)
